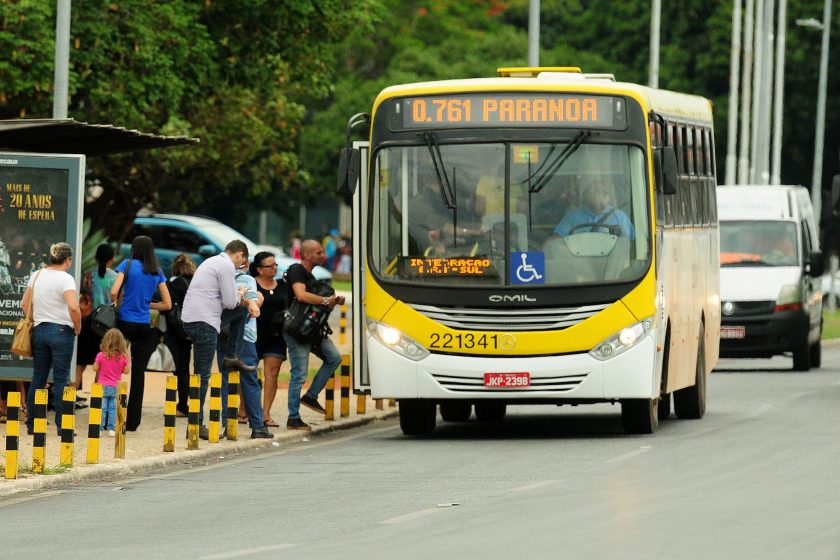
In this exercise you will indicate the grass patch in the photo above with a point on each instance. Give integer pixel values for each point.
(342, 285)
(58, 469)
(831, 324)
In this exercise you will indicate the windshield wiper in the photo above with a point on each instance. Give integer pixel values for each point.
(557, 163)
(446, 191)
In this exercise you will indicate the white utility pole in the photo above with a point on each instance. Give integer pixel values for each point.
(62, 59)
(779, 95)
(534, 33)
(655, 18)
(746, 93)
(763, 161)
(757, 86)
(734, 70)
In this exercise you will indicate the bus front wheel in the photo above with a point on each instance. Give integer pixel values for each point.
(640, 416)
(455, 411)
(490, 411)
(417, 417)
(691, 401)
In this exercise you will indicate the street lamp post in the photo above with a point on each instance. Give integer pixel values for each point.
(819, 132)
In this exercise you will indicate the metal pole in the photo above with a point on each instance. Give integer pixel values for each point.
(779, 94)
(746, 92)
(758, 47)
(655, 18)
(62, 59)
(534, 33)
(819, 134)
(763, 162)
(734, 70)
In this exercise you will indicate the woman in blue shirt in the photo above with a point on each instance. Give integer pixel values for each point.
(142, 277)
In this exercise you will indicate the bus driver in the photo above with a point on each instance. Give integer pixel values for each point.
(597, 213)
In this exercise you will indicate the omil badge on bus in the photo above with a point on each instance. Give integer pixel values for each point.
(527, 267)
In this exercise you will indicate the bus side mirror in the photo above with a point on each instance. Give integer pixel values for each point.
(665, 170)
(349, 165)
(815, 264)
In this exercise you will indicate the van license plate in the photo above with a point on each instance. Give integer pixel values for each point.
(732, 332)
(517, 379)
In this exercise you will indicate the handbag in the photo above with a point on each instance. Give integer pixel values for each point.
(104, 317)
(306, 322)
(22, 340)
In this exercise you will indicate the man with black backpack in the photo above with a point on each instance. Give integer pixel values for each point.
(305, 301)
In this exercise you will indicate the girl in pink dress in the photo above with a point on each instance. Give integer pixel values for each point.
(110, 364)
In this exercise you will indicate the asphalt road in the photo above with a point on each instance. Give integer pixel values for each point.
(756, 478)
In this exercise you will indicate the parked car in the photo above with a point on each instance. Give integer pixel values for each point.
(199, 237)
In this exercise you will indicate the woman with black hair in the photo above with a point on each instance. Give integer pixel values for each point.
(271, 347)
(96, 290)
(142, 277)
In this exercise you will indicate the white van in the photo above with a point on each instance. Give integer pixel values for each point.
(770, 268)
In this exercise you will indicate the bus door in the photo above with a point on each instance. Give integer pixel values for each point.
(361, 376)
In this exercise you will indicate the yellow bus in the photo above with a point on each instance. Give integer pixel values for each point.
(541, 237)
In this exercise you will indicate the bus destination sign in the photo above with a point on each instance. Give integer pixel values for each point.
(511, 110)
(446, 266)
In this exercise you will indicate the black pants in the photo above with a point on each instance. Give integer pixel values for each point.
(143, 343)
(181, 350)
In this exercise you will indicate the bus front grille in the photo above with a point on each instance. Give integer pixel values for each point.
(554, 384)
(482, 319)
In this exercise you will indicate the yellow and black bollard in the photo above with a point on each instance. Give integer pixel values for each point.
(361, 403)
(39, 426)
(12, 433)
(377, 404)
(342, 326)
(215, 406)
(195, 408)
(122, 403)
(329, 403)
(169, 413)
(345, 385)
(68, 425)
(233, 406)
(94, 424)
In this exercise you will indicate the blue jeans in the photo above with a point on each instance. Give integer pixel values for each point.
(52, 347)
(249, 385)
(205, 338)
(299, 356)
(109, 407)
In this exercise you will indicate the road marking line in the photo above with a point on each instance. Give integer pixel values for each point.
(247, 552)
(410, 516)
(534, 486)
(629, 454)
(22, 499)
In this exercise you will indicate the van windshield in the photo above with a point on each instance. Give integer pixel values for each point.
(758, 243)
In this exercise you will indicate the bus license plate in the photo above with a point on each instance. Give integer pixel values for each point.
(516, 379)
(732, 332)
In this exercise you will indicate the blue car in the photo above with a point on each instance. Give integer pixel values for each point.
(200, 238)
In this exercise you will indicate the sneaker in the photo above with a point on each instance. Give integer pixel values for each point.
(297, 424)
(261, 433)
(112, 433)
(313, 404)
(236, 364)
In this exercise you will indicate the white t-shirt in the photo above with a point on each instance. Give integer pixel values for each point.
(49, 305)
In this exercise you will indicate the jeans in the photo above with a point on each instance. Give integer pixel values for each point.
(109, 407)
(299, 356)
(143, 342)
(249, 385)
(52, 347)
(205, 338)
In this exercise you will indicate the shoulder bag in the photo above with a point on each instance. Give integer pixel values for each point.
(22, 341)
(104, 317)
(306, 322)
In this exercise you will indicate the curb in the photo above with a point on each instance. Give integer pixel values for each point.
(831, 342)
(133, 467)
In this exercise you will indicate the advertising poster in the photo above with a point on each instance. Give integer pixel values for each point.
(40, 204)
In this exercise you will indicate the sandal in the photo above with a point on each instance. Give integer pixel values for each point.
(242, 419)
(269, 423)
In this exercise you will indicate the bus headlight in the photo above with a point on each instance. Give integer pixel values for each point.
(622, 341)
(396, 341)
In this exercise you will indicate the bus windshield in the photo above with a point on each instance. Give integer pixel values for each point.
(551, 213)
(758, 243)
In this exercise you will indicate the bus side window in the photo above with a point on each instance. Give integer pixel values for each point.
(689, 150)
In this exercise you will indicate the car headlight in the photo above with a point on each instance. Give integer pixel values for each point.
(396, 341)
(622, 341)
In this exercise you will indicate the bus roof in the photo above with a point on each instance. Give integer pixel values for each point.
(681, 106)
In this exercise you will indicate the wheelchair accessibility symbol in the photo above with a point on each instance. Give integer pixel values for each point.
(527, 268)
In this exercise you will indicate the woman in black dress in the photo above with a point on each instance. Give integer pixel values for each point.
(179, 344)
(271, 347)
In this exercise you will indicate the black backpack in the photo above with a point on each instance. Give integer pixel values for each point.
(174, 324)
(306, 322)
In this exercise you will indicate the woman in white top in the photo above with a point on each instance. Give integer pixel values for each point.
(55, 310)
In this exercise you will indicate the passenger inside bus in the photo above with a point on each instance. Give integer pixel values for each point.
(596, 213)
